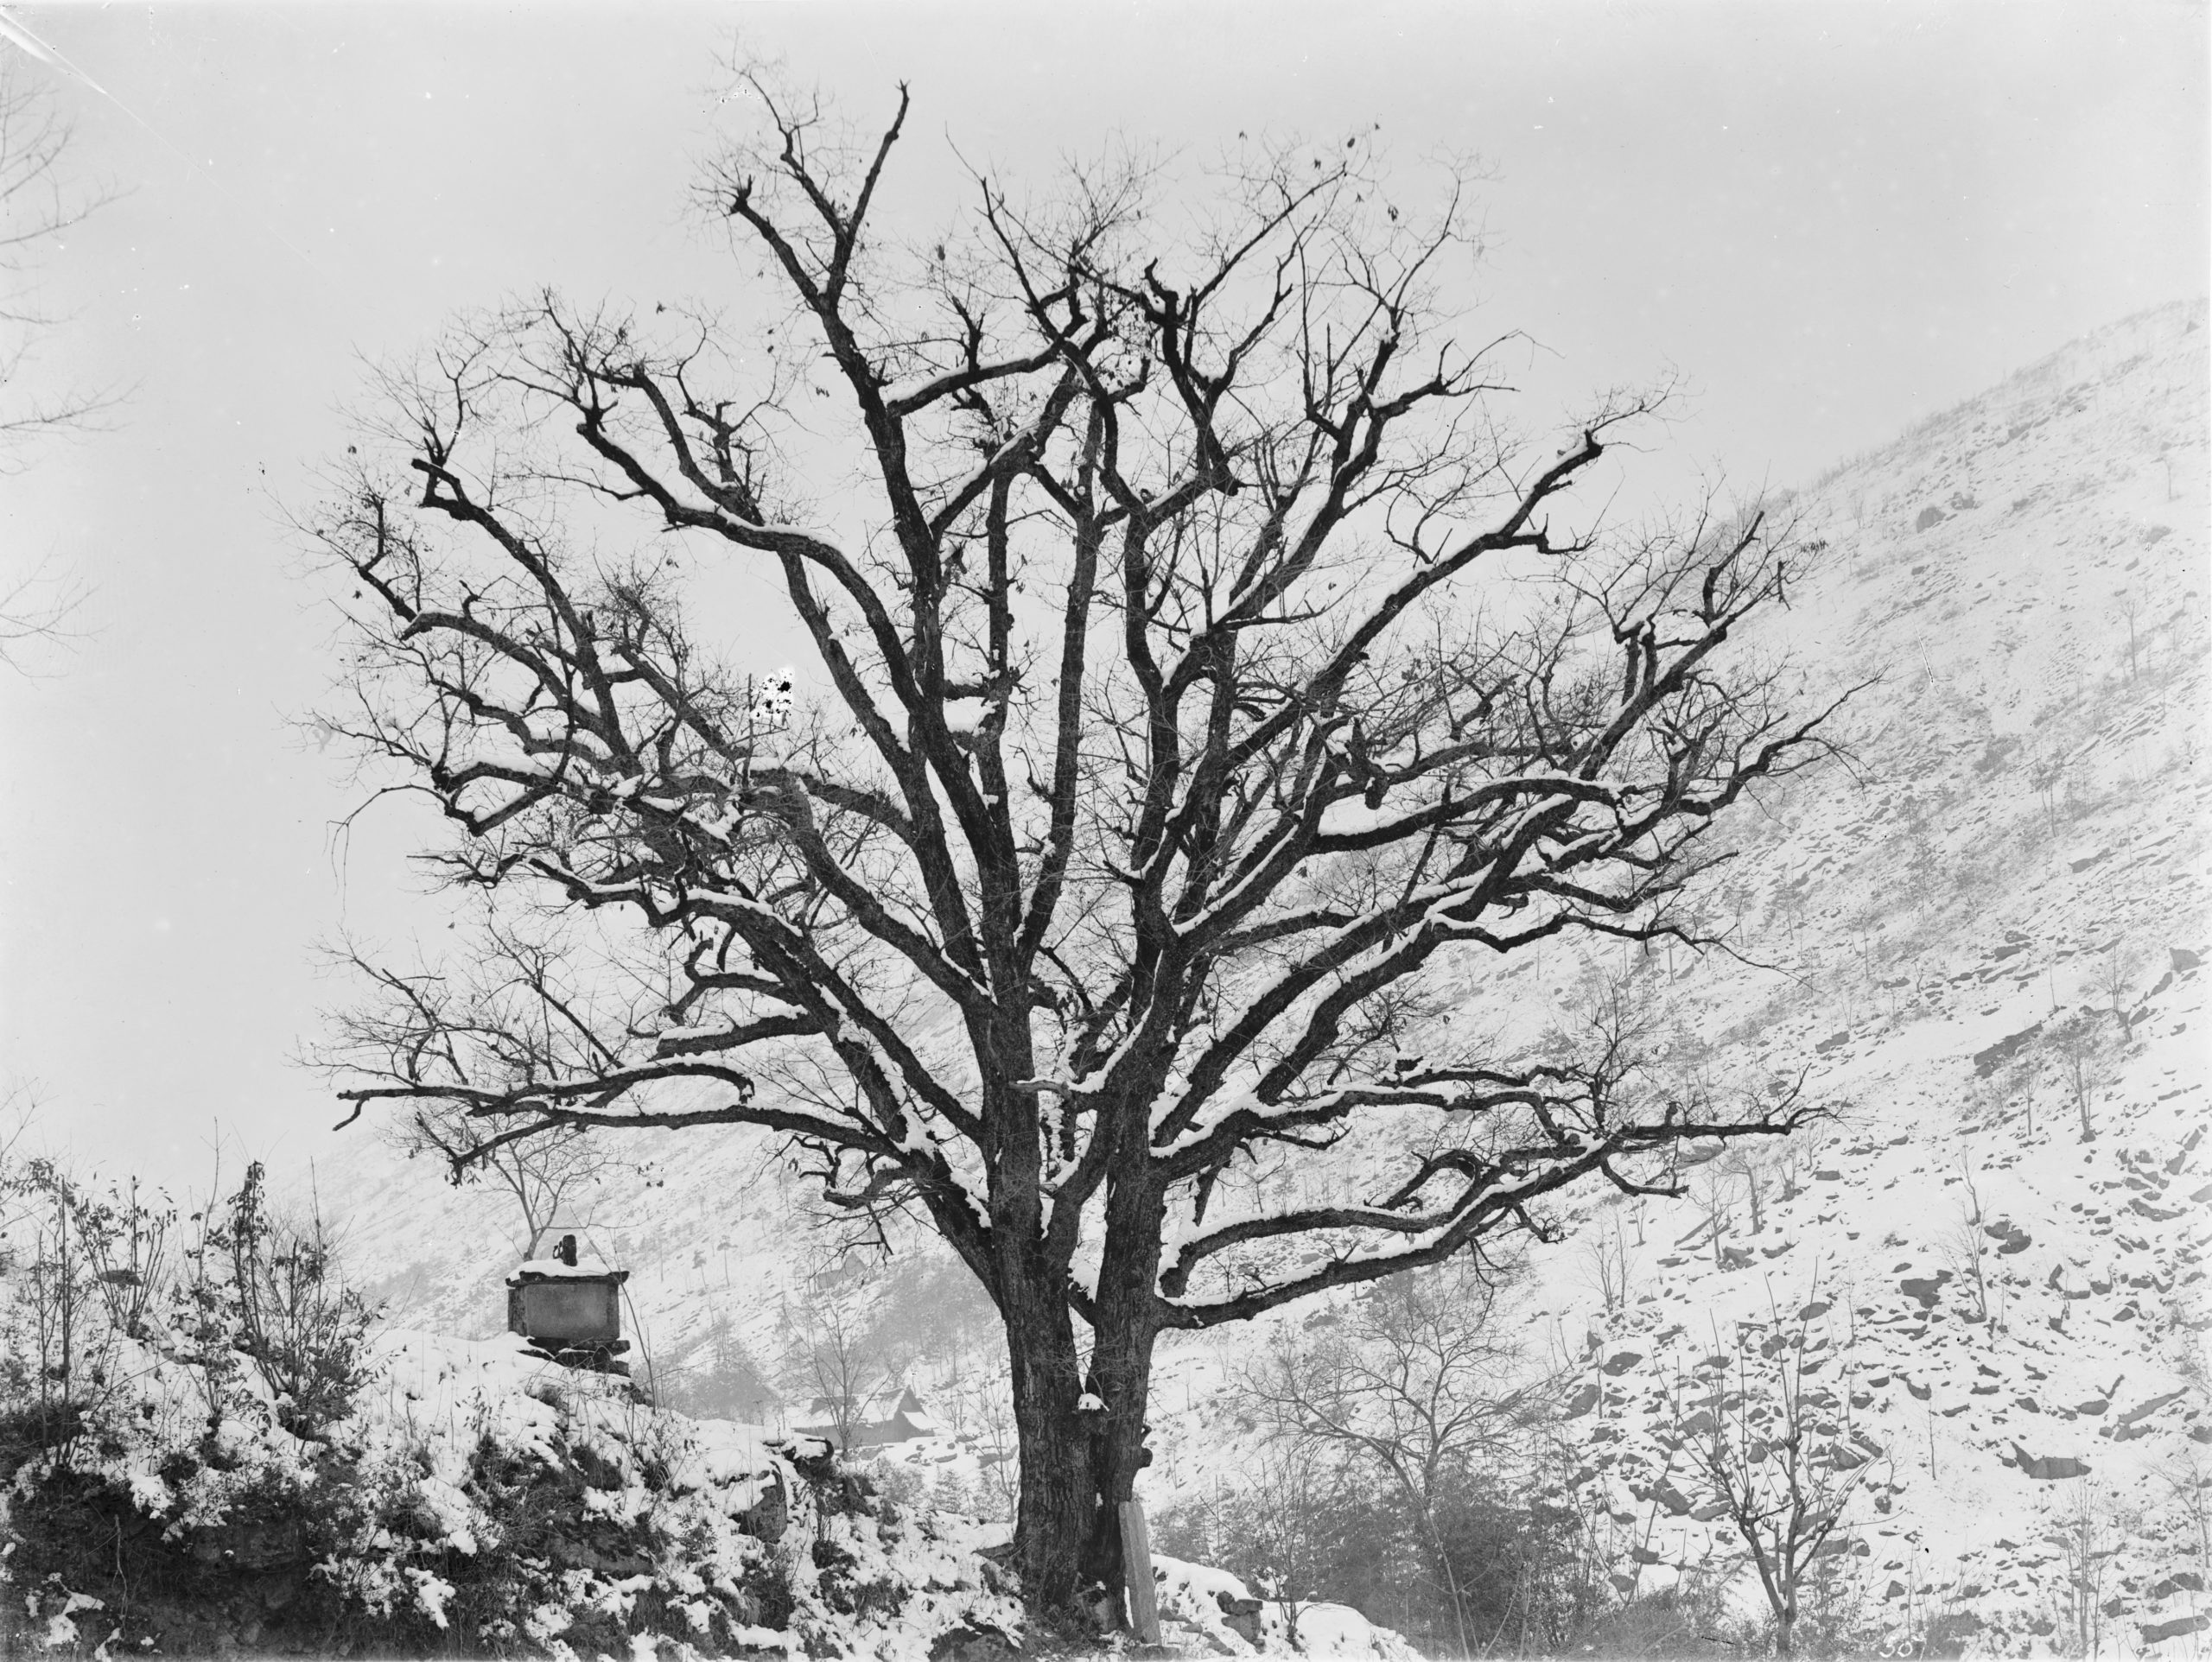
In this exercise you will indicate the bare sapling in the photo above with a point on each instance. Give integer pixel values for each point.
(2128, 605)
(2123, 963)
(1610, 1261)
(1423, 1386)
(833, 1363)
(1970, 1247)
(544, 1177)
(1777, 1449)
(2082, 1535)
(1712, 1190)
(2077, 1052)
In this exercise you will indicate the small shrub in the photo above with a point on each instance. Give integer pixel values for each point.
(268, 1289)
(765, 1598)
(899, 1485)
(30, 1429)
(1679, 1622)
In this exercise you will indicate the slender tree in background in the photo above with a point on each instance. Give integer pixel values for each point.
(1421, 1389)
(544, 1177)
(1203, 682)
(1777, 1450)
(36, 206)
(835, 1369)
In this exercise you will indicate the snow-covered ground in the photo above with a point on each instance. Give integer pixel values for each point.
(1996, 919)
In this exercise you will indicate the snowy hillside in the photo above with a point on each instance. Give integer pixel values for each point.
(1995, 925)
(1983, 940)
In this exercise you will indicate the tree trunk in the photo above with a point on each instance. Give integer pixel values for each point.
(1058, 1495)
(1078, 1466)
(1121, 1377)
(1121, 1361)
(1079, 1463)
(1450, 1577)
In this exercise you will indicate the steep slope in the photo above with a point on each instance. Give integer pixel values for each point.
(1981, 940)
(2005, 909)
(1991, 925)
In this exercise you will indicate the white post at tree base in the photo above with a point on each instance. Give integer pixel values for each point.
(1136, 1571)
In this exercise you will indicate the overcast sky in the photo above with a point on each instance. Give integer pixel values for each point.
(1834, 219)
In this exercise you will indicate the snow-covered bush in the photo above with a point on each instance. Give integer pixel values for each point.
(451, 1508)
(243, 1455)
(258, 1458)
(254, 1461)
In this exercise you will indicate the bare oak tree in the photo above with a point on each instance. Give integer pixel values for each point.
(1203, 678)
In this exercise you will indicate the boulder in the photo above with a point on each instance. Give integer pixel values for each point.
(2156, 1633)
(2049, 1468)
(1924, 1288)
(974, 1641)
